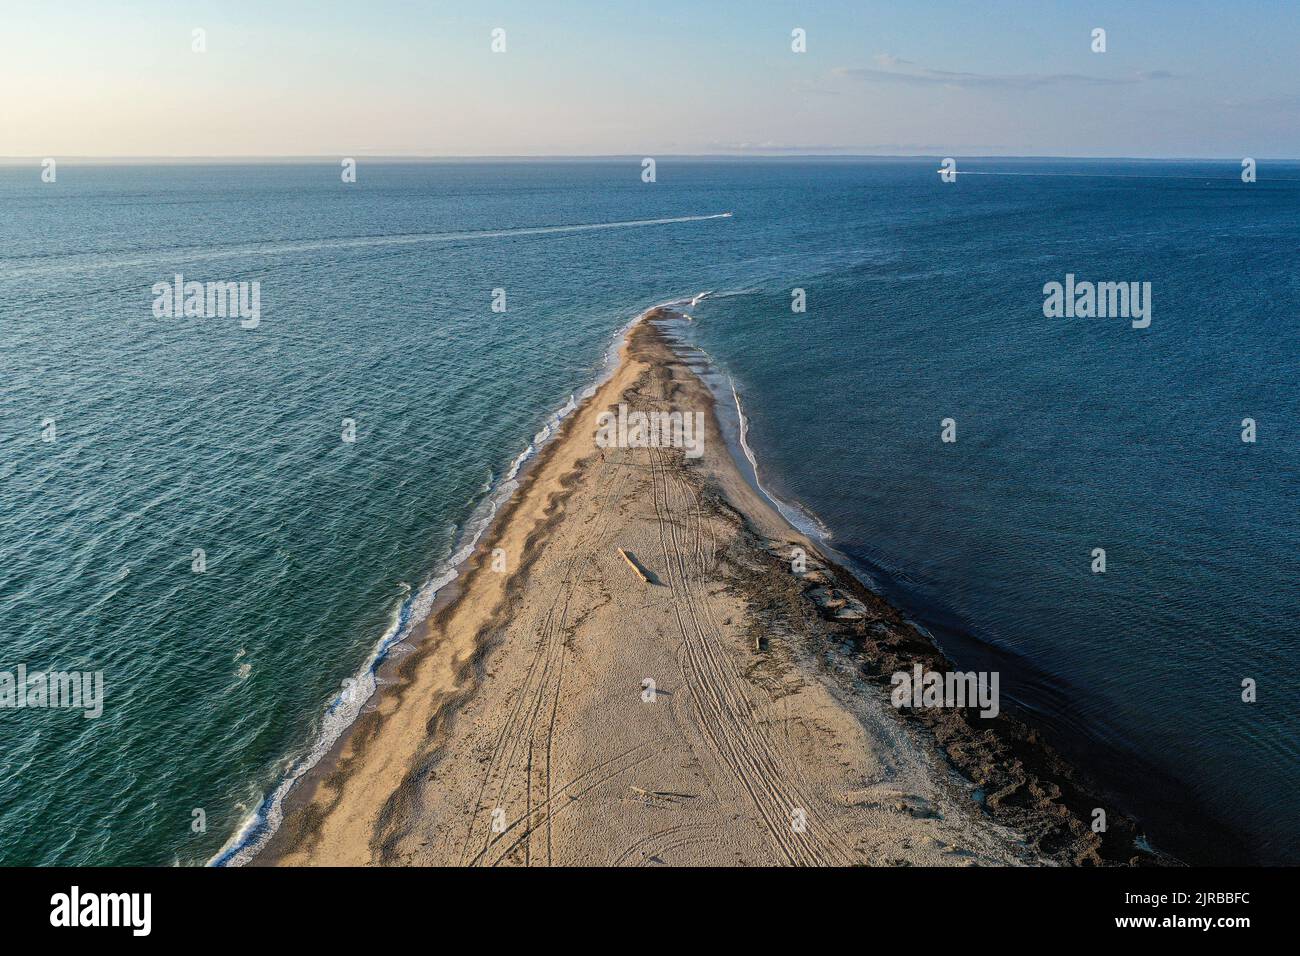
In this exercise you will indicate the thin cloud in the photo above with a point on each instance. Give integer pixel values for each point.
(892, 69)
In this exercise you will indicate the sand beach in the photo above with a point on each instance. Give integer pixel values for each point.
(645, 664)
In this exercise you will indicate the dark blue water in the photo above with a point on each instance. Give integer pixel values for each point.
(1072, 434)
(924, 302)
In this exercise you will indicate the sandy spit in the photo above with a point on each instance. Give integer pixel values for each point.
(563, 710)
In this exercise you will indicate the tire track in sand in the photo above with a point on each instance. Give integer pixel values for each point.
(520, 726)
(725, 713)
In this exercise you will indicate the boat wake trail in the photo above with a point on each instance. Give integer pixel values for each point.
(83, 262)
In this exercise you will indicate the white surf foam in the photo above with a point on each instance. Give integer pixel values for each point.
(259, 826)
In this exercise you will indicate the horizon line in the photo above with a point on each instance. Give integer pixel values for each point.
(249, 158)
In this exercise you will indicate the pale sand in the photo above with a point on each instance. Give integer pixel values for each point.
(525, 694)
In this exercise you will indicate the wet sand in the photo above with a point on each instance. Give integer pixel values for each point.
(703, 703)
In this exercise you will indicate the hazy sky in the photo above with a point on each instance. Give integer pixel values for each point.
(392, 77)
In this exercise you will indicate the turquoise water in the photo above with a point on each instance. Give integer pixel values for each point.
(924, 301)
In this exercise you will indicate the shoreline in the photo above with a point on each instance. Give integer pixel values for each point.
(1029, 806)
(440, 588)
(948, 640)
(876, 583)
